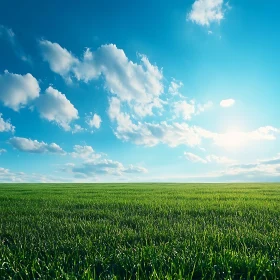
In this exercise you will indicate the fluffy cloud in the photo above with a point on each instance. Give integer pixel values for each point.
(135, 169)
(227, 103)
(77, 128)
(175, 134)
(34, 146)
(60, 60)
(187, 110)
(151, 134)
(260, 170)
(2, 151)
(92, 168)
(204, 12)
(138, 85)
(97, 164)
(84, 152)
(54, 106)
(184, 109)
(136, 91)
(174, 87)
(94, 121)
(16, 91)
(6, 126)
(7, 175)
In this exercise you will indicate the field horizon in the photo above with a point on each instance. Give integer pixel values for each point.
(140, 231)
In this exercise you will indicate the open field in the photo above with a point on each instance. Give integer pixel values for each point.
(140, 231)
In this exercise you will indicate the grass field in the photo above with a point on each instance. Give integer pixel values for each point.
(140, 231)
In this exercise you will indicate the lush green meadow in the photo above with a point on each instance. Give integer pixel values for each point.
(140, 231)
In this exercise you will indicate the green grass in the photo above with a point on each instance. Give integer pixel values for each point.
(140, 231)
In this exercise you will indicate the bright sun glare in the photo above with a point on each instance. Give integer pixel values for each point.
(232, 139)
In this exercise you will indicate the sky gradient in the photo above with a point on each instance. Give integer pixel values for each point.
(118, 91)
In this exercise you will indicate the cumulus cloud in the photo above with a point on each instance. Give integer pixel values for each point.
(174, 87)
(6, 126)
(204, 12)
(137, 84)
(84, 152)
(60, 60)
(175, 134)
(92, 168)
(260, 170)
(151, 134)
(184, 109)
(135, 169)
(55, 107)
(34, 146)
(77, 129)
(17, 91)
(8, 176)
(94, 121)
(227, 103)
(136, 91)
(97, 164)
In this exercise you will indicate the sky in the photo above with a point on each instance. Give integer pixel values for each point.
(139, 91)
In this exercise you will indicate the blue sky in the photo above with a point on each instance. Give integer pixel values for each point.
(118, 91)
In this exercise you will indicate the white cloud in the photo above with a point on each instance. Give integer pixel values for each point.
(16, 91)
(94, 121)
(174, 87)
(6, 126)
(138, 85)
(8, 176)
(151, 134)
(261, 170)
(136, 90)
(219, 159)
(235, 139)
(54, 106)
(77, 128)
(184, 109)
(227, 103)
(135, 169)
(194, 158)
(92, 168)
(208, 159)
(187, 110)
(2, 151)
(204, 12)
(175, 134)
(34, 146)
(95, 164)
(60, 60)
(84, 152)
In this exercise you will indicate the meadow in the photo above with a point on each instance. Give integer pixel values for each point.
(140, 231)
